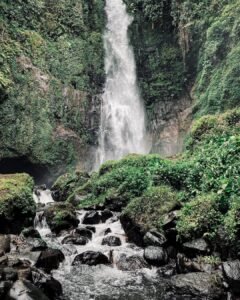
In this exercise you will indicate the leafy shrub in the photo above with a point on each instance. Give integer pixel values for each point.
(149, 209)
(199, 217)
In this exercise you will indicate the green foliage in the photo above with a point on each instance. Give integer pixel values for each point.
(51, 64)
(232, 220)
(149, 209)
(200, 217)
(67, 183)
(16, 197)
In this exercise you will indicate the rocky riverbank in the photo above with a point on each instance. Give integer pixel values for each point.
(66, 252)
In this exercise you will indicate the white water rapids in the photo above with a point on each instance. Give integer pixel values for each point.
(101, 282)
(122, 128)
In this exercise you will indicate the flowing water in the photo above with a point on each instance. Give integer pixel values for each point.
(122, 128)
(102, 282)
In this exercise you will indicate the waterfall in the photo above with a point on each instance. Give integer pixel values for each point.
(122, 127)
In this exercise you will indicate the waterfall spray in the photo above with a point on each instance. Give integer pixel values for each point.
(122, 128)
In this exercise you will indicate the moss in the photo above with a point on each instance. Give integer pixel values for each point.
(149, 209)
(17, 207)
(61, 216)
(67, 183)
(200, 217)
(47, 77)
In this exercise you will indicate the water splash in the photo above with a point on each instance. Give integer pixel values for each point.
(122, 128)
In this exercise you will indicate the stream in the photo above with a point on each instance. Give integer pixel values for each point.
(101, 282)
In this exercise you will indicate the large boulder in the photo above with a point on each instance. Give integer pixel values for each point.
(198, 286)
(105, 215)
(92, 217)
(156, 256)
(112, 241)
(17, 207)
(75, 240)
(4, 243)
(50, 286)
(84, 232)
(154, 238)
(133, 231)
(50, 259)
(61, 216)
(131, 263)
(231, 270)
(66, 184)
(196, 247)
(90, 258)
(25, 290)
(30, 232)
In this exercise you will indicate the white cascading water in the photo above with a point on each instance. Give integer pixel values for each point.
(122, 128)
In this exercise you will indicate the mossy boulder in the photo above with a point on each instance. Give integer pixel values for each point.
(147, 212)
(200, 217)
(66, 184)
(61, 216)
(17, 207)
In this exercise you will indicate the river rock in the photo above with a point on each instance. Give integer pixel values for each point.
(91, 228)
(84, 232)
(36, 244)
(231, 270)
(154, 238)
(30, 232)
(25, 290)
(196, 247)
(90, 258)
(75, 240)
(105, 215)
(92, 217)
(133, 231)
(111, 241)
(61, 216)
(50, 259)
(4, 288)
(196, 286)
(10, 274)
(107, 231)
(4, 243)
(170, 219)
(156, 256)
(49, 285)
(131, 263)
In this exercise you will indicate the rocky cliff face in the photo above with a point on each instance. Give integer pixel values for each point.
(51, 73)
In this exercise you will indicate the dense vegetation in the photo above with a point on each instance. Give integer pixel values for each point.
(204, 181)
(51, 66)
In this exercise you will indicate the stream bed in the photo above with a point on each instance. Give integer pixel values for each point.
(99, 282)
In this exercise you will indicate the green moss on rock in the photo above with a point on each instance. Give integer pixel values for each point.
(17, 207)
(67, 183)
(148, 210)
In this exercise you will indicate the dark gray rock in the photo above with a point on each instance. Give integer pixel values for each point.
(75, 240)
(92, 217)
(10, 274)
(84, 232)
(50, 259)
(169, 220)
(231, 271)
(36, 244)
(133, 231)
(90, 258)
(107, 231)
(105, 215)
(4, 243)
(91, 228)
(111, 241)
(50, 286)
(25, 290)
(30, 232)
(196, 286)
(4, 288)
(131, 263)
(156, 256)
(196, 247)
(154, 238)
